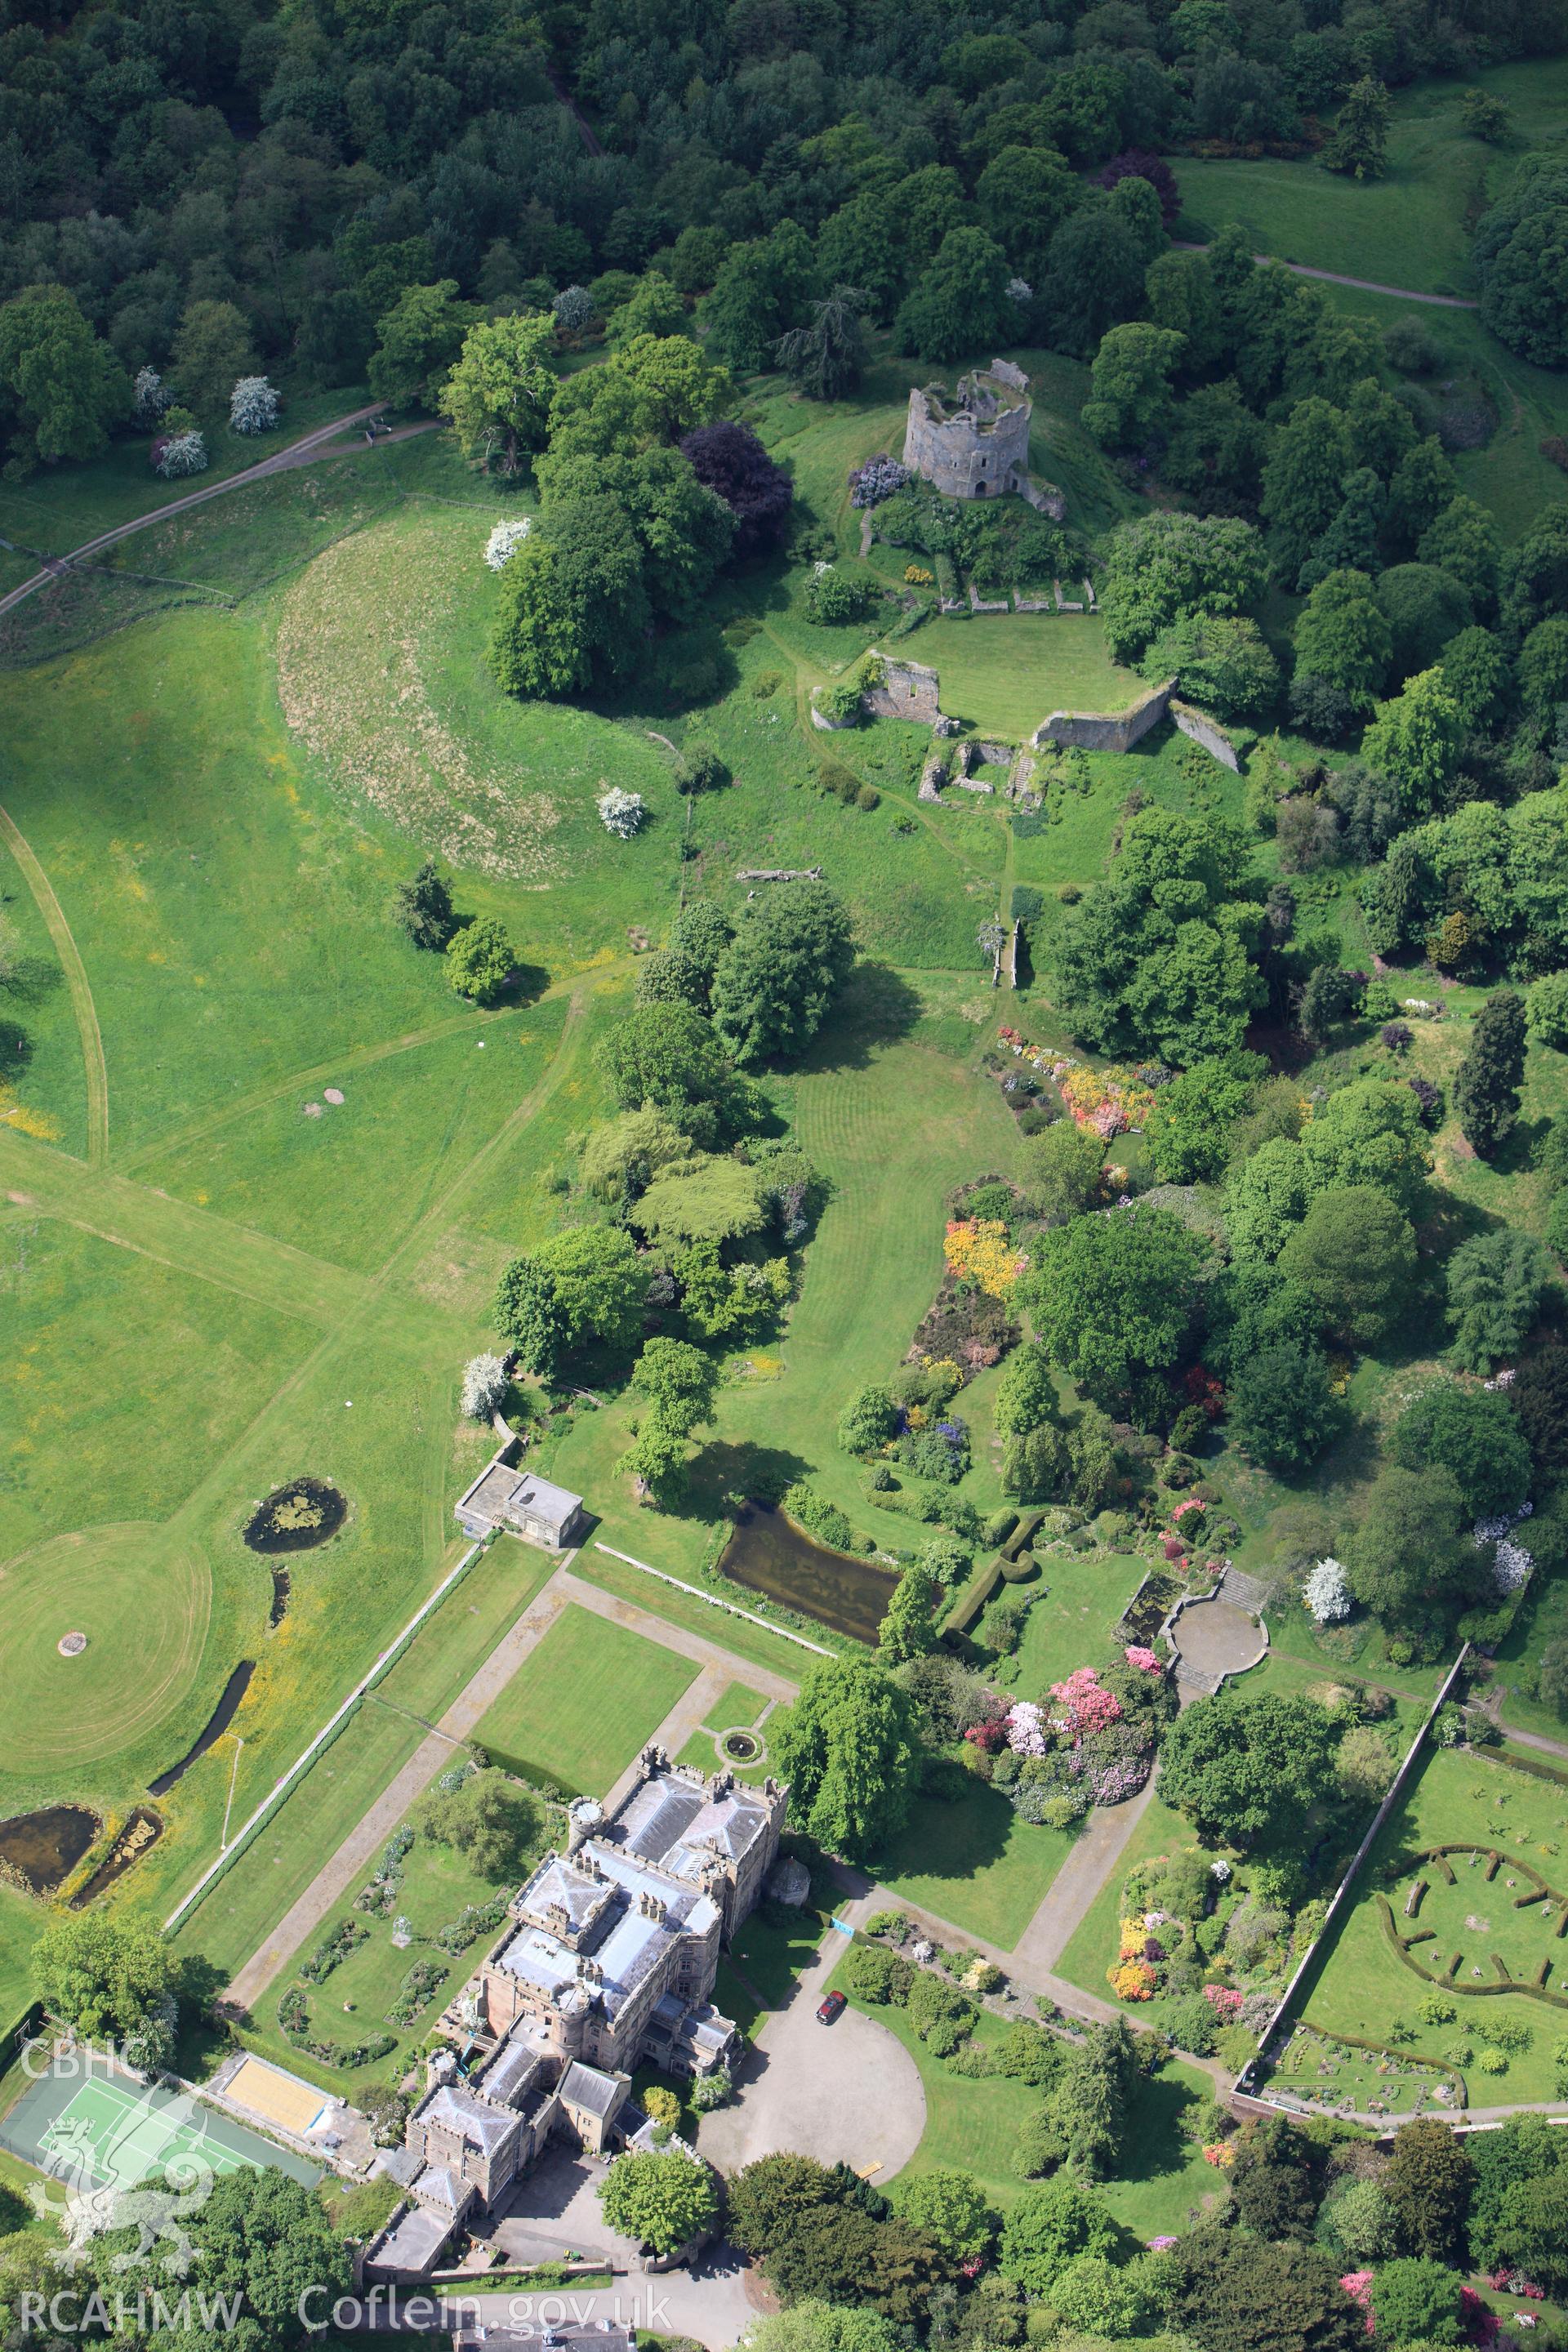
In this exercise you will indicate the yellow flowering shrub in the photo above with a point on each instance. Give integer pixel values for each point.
(978, 1250)
(1132, 1980)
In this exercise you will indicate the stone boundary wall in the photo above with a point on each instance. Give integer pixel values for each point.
(1089, 731)
(1284, 2011)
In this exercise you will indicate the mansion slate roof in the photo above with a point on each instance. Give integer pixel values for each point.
(473, 2118)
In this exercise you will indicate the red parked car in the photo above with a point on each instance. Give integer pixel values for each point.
(828, 2010)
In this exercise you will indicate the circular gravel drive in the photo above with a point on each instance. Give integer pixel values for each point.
(846, 2092)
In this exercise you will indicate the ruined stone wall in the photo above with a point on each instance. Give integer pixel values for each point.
(1087, 730)
(1206, 731)
(909, 690)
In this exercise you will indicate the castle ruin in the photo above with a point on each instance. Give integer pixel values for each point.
(973, 443)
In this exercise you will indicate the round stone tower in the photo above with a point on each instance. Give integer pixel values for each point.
(973, 443)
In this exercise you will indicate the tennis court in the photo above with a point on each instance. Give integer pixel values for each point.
(92, 2127)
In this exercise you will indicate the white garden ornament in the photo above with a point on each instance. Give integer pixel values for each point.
(622, 814)
(505, 540)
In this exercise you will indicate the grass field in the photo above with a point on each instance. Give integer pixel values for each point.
(1004, 673)
(57, 511)
(578, 1710)
(1408, 228)
(976, 1863)
(1363, 1986)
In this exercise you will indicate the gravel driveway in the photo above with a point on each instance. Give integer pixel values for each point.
(848, 2092)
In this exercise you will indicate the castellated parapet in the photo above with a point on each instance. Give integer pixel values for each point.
(973, 443)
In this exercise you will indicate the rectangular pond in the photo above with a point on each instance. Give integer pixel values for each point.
(769, 1554)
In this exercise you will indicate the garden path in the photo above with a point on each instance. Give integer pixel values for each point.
(298, 453)
(336, 1875)
(177, 1234)
(1525, 1738)
(1365, 285)
(332, 1880)
(864, 1898)
(1096, 1852)
(76, 983)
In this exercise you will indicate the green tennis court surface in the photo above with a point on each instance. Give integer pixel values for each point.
(101, 2129)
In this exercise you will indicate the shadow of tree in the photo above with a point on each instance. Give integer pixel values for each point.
(732, 1470)
(878, 1007)
(950, 1840)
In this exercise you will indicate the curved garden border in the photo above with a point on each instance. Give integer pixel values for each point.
(1539, 1890)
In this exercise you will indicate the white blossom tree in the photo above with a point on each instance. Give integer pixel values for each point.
(152, 396)
(484, 1385)
(181, 454)
(505, 540)
(253, 405)
(622, 814)
(1327, 1593)
(574, 307)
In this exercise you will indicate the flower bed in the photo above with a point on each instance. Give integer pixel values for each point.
(1113, 1102)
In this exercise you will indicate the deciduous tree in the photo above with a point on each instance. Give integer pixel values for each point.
(501, 390)
(1247, 1769)
(661, 2198)
(850, 1755)
(580, 1288)
(66, 387)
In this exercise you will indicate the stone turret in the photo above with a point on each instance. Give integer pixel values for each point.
(975, 442)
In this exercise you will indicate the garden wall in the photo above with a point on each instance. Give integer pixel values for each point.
(1341, 1892)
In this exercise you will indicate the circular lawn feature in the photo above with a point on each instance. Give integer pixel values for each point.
(141, 1602)
(71, 1645)
(741, 1747)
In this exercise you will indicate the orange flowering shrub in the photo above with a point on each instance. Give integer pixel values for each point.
(1132, 1981)
(978, 1250)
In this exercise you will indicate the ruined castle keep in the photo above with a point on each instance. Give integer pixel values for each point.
(973, 443)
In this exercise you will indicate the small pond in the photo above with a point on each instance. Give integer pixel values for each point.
(769, 1554)
(217, 1723)
(38, 1851)
(742, 1747)
(296, 1518)
(141, 1830)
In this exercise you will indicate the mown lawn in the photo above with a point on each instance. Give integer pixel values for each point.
(975, 1863)
(1005, 672)
(344, 1181)
(1078, 1604)
(585, 1702)
(972, 2127)
(1363, 1986)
